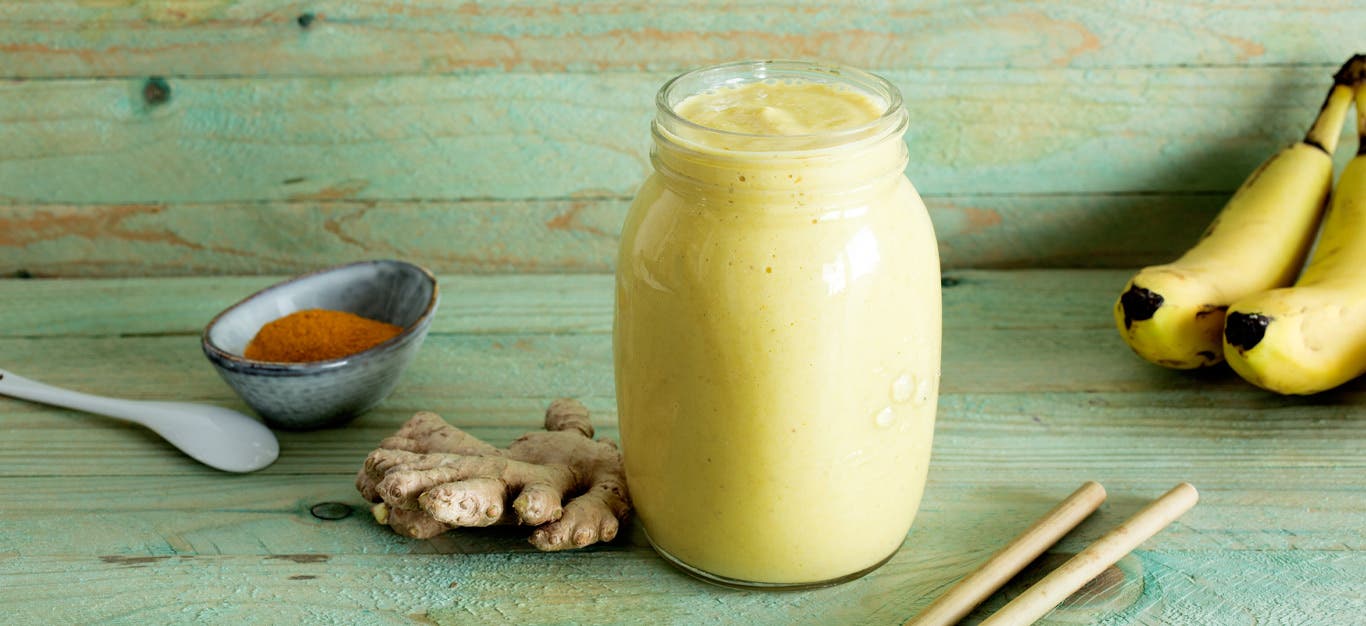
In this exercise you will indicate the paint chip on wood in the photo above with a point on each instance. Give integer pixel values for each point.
(132, 561)
(301, 558)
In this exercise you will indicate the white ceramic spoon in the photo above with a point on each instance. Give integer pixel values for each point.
(217, 437)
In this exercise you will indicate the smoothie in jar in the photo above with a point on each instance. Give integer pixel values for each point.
(777, 333)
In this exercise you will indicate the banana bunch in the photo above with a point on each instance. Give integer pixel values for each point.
(1231, 295)
(1312, 336)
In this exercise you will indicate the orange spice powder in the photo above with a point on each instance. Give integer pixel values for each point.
(317, 335)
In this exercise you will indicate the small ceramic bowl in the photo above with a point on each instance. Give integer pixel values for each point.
(300, 396)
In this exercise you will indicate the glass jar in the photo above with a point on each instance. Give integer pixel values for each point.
(777, 330)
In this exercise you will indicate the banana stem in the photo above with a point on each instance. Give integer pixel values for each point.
(1327, 127)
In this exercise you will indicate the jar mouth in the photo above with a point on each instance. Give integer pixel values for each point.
(735, 73)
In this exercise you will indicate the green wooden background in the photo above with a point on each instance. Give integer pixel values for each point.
(247, 137)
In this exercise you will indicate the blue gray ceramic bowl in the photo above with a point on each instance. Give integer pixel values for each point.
(301, 396)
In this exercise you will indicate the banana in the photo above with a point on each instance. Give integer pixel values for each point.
(1173, 314)
(1312, 337)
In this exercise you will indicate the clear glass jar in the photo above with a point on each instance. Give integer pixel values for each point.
(777, 336)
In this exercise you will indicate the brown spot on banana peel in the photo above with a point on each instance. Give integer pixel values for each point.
(1139, 304)
(1210, 309)
(1207, 359)
(1251, 178)
(1309, 141)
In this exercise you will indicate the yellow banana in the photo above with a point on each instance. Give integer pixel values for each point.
(1173, 314)
(1312, 336)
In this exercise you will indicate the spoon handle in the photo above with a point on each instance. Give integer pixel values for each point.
(215, 436)
(12, 384)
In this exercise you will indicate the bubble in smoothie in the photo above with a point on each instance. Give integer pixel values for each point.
(902, 388)
(923, 391)
(857, 458)
(885, 417)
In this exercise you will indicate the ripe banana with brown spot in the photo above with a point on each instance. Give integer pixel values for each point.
(1173, 314)
(1312, 337)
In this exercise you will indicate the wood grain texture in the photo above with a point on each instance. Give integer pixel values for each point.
(550, 334)
(1278, 480)
(509, 136)
(66, 38)
(1039, 393)
(498, 173)
(612, 587)
(199, 511)
(984, 231)
(568, 136)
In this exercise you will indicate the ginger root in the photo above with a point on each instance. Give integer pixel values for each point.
(430, 477)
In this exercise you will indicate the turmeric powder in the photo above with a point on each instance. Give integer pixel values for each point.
(317, 335)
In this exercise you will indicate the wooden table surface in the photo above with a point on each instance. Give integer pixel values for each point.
(160, 159)
(103, 521)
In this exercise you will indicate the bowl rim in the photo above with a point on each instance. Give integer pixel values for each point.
(236, 362)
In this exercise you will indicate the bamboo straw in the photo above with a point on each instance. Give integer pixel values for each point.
(1002, 566)
(1039, 599)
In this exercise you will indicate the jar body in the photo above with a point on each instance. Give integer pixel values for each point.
(777, 361)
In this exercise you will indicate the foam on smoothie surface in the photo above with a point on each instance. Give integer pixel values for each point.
(780, 108)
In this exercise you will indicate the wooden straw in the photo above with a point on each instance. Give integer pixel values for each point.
(1038, 600)
(1002, 566)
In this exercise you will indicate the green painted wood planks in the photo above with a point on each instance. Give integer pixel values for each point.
(66, 38)
(152, 536)
(537, 236)
(509, 136)
(501, 172)
(615, 587)
(573, 137)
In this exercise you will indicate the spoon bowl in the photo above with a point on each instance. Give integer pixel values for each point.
(217, 437)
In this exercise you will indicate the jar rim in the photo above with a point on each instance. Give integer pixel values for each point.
(736, 72)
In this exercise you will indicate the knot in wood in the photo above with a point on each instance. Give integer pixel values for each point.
(156, 91)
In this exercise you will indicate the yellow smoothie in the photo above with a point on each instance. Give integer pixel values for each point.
(777, 334)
